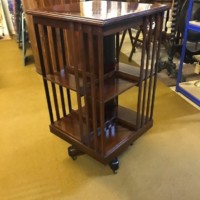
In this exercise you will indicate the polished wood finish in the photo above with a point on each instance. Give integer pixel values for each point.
(101, 13)
(34, 4)
(78, 49)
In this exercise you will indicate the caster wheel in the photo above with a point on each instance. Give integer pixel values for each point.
(114, 165)
(73, 152)
(74, 157)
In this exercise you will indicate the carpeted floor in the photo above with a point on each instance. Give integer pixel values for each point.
(34, 165)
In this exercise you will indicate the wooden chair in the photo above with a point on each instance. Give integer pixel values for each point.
(136, 38)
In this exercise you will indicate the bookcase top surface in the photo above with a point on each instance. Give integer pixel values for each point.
(99, 12)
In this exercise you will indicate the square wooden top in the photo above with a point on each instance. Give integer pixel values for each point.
(99, 12)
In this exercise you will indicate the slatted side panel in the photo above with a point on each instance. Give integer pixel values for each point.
(152, 27)
(54, 57)
(93, 92)
(148, 35)
(41, 41)
(159, 22)
(83, 58)
(56, 48)
(101, 91)
(152, 69)
(66, 61)
(78, 50)
(74, 52)
(142, 67)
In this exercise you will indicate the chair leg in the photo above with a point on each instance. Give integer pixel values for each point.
(122, 40)
(136, 38)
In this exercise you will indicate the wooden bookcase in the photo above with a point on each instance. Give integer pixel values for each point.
(78, 47)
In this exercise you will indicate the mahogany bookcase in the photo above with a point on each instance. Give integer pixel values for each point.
(78, 47)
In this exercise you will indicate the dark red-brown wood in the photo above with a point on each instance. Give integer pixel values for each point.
(78, 51)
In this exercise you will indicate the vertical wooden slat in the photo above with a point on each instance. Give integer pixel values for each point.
(46, 49)
(66, 47)
(148, 48)
(101, 89)
(117, 51)
(59, 62)
(55, 49)
(49, 49)
(55, 100)
(63, 64)
(138, 119)
(67, 61)
(92, 80)
(48, 63)
(69, 100)
(52, 38)
(40, 52)
(74, 51)
(62, 101)
(63, 48)
(118, 45)
(152, 70)
(82, 54)
(59, 48)
(160, 23)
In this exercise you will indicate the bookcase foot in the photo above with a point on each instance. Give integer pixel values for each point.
(73, 152)
(114, 165)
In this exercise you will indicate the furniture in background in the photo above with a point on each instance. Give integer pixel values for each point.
(174, 45)
(78, 49)
(190, 89)
(22, 35)
(135, 38)
(23, 38)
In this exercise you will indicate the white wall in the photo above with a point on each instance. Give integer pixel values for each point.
(3, 24)
(8, 17)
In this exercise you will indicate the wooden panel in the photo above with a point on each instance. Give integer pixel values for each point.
(33, 4)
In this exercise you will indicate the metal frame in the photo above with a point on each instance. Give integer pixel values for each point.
(188, 27)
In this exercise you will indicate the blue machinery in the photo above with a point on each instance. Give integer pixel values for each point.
(189, 90)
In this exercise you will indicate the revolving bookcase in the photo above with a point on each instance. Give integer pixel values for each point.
(78, 47)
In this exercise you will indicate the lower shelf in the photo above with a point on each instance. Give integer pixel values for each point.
(119, 133)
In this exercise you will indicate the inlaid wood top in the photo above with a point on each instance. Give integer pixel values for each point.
(99, 12)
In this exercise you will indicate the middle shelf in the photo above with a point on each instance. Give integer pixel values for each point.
(119, 81)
